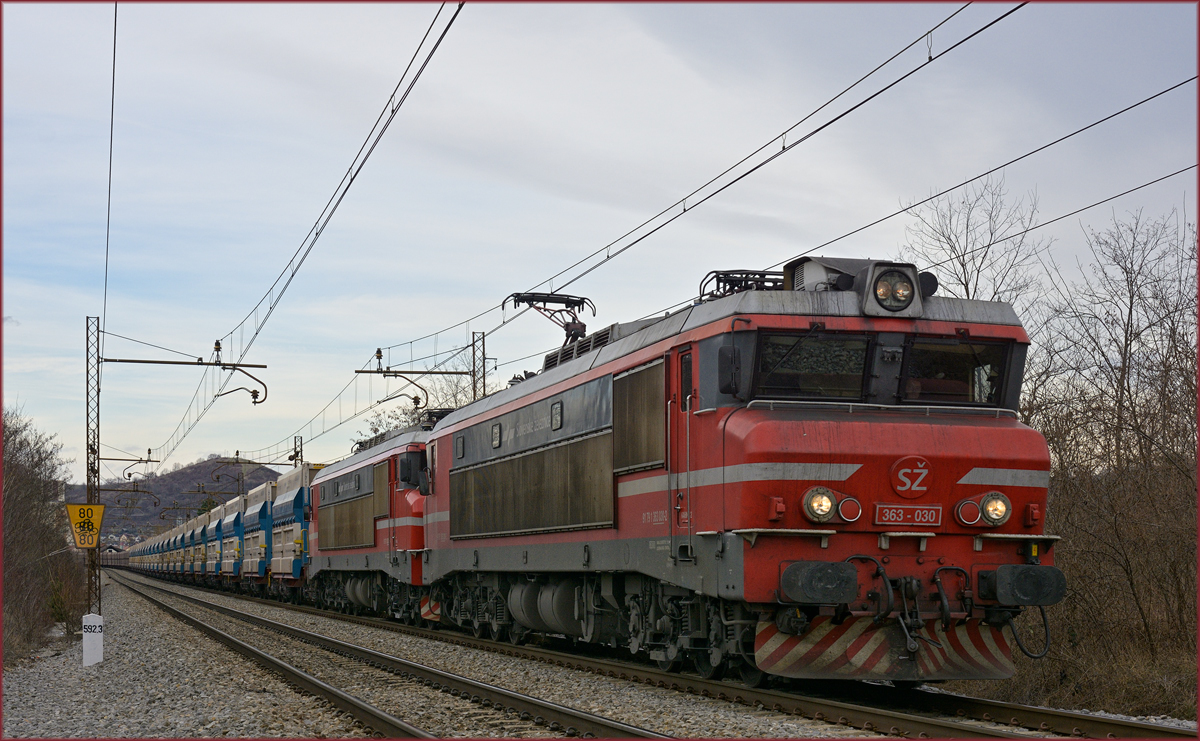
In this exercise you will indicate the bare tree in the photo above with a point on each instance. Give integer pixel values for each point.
(43, 575)
(1114, 394)
(1125, 437)
(974, 243)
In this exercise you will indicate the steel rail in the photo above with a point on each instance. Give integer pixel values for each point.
(369, 715)
(1045, 720)
(555, 717)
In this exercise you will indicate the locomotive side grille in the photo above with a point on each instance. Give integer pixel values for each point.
(563, 487)
(639, 425)
(347, 524)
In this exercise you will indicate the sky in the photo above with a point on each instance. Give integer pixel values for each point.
(536, 135)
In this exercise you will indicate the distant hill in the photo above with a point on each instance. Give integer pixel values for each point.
(163, 500)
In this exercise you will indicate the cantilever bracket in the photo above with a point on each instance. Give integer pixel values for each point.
(417, 401)
(135, 462)
(223, 366)
(253, 392)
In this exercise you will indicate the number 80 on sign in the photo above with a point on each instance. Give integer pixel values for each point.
(85, 524)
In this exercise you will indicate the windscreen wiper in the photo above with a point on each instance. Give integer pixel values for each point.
(792, 349)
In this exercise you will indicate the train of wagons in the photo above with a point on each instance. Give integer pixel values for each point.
(811, 473)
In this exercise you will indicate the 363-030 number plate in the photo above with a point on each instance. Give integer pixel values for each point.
(929, 515)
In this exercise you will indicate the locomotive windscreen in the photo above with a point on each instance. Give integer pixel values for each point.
(954, 371)
(811, 366)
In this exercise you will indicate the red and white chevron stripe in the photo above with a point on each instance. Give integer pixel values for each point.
(859, 649)
(431, 610)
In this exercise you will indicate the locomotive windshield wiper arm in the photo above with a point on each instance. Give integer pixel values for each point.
(813, 329)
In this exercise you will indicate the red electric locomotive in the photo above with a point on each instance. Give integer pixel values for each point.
(812, 473)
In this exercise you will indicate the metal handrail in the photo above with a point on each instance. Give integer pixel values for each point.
(851, 405)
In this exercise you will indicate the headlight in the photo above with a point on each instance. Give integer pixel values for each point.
(893, 290)
(995, 508)
(818, 504)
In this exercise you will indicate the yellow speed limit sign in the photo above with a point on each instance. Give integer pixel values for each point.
(85, 524)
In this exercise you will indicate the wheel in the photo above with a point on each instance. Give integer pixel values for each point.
(480, 630)
(516, 637)
(705, 668)
(668, 665)
(500, 633)
(754, 677)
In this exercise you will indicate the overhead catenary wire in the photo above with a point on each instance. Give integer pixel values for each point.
(894, 214)
(784, 148)
(1060, 218)
(507, 320)
(281, 446)
(681, 201)
(677, 305)
(968, 181)
(119, 450)
(690, 300)
(112, 109)
(1007, 237)
(1030, 153)
(265, 307)
(788, 147)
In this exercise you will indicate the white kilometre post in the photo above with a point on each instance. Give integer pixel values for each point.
(93, 639)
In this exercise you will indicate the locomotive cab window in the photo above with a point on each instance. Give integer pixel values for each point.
(811, 366)
(954, 372)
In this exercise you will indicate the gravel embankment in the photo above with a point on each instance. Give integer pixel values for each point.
(159, 678)
(655, 708)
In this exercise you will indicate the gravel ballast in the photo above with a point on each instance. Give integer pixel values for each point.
(410, 700)
(655, 708)
(159, 678)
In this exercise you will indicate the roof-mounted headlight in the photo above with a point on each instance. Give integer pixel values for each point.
(995, 508)
(893, 290)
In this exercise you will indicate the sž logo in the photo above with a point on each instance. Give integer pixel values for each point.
(911, 476)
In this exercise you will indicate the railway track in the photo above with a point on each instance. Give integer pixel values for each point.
(370, 716)
(515, 709)
(872, 707)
